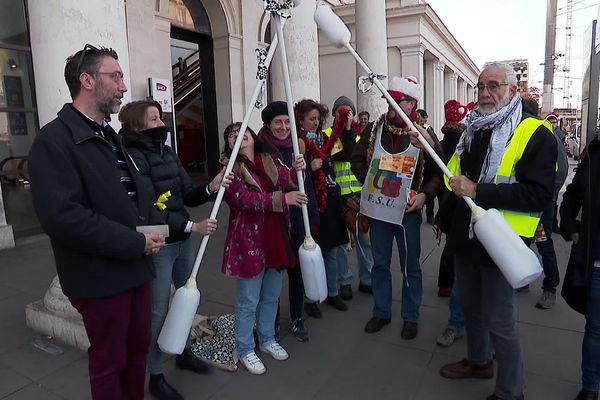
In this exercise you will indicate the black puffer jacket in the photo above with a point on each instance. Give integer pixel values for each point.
(160, 167)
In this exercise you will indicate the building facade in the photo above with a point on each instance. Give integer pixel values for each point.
(203, 53)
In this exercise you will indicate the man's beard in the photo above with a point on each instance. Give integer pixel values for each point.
(107, 102)
(487, 110)
(108, 107)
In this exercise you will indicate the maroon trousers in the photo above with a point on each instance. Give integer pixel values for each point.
(118, 328)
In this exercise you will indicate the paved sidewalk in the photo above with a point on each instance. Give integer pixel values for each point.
(339, 362)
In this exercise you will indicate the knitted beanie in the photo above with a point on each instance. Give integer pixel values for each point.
(272, 110)
(343, 101)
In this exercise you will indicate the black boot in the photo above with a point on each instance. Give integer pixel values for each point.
(587, 395)
(160, 388)
(336, 302)
(187, 360)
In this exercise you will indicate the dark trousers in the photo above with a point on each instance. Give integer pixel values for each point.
(295, 292)
(446, 272)
(295, 286)
(546, 250)
(118, 328)
(429, 208)
(555, 225)
(487, 302)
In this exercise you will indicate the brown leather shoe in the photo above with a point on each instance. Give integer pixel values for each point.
(375, 324)
(464, 369)
(409, 330)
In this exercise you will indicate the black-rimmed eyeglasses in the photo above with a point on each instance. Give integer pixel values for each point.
(491, 86)
(116, 76)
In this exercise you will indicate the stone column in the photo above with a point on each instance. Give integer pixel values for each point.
(470, 93)
(428, 90)
(58, 29)
(371, 44)
(149, 37)
(452, 86)
(437, 113)
(7, 238)
(300, 32)
(413, 65)
(462, 92)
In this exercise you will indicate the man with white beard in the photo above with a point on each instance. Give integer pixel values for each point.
(505, 159)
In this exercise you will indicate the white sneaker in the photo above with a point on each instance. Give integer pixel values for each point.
(253, 364)
(275, 350)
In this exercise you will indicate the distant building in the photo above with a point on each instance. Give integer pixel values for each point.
(521, 68)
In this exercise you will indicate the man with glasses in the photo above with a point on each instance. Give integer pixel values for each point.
(505, 159)
(397, 179)
(88, 199)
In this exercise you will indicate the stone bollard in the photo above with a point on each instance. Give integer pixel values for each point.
(54, 316)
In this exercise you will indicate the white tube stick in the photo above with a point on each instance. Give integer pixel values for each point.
(309, 253)
(290, 107)
(518, 263)
(234, 154)
(180, 317)
(337, 32)
(407, 120)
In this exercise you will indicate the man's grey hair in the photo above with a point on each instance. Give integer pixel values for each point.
(511, 76)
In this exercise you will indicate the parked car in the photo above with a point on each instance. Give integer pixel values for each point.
(573, 142)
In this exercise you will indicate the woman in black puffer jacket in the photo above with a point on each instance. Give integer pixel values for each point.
(144, 135)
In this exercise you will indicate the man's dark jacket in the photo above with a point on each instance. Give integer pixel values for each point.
(581, 195)
(84, 208)
(535, 173)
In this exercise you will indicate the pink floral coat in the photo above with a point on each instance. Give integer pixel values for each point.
(244, 254)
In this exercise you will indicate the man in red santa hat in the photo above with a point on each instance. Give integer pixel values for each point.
(397, 178)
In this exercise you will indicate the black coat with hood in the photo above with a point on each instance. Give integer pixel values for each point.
(161, 170)
(582, 196)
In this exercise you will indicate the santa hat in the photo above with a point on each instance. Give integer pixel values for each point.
(552, 115)
(455, 112)
(400, 88)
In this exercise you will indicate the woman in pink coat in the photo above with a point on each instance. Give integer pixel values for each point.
(258, 247)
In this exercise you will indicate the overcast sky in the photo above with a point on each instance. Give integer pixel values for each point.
(510, 29)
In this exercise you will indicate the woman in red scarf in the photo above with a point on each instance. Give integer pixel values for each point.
(332, 235)
(258, 197)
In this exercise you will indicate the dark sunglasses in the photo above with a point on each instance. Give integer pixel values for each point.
(87, 48)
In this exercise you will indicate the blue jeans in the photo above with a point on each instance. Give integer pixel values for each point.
(364, 256)
(256, 300)
(590, 360)
(456, 319)
(546, 250)
(336, 265)
(173, 263)
(487, 301)
(382, 237)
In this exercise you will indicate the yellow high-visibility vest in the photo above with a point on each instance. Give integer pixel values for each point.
(343, 171)
(524, 223)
